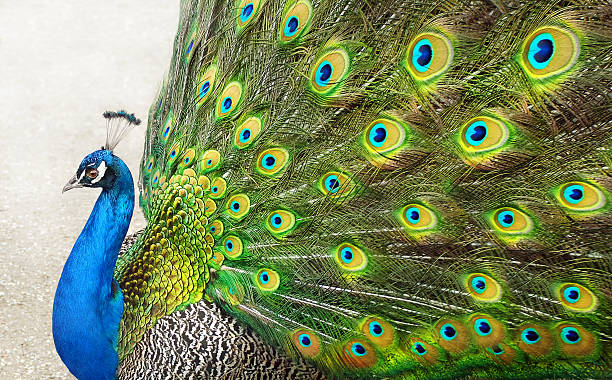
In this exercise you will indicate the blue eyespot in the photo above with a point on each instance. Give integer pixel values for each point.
(167, 131)
(189, 47)
(268, 161)
(358, 349)
(482, 327)
(277, 220)
(476, 133)
(291, 26)
(247, 12)
(215, 189)
(496, 350)
(245, 135)
(570, 335)
(574, 194)
(324, 73)
(332, 184)
(235, 206)
(209, 162)
(375, 329)
(419, 349)
(448, 332)
(413, 215)
(229, 245)
(378, 135)
(347, 255)
(213, 229)
(506, 218)
(264, 277)
(422, 55)
(204, 89)
(155, 179)
(304, 340)
(541, 51)
(226, 105)
(530, 336)
(479, 284)
(571, 294)
(186, 160)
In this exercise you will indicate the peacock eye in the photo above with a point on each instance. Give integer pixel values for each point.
(92, 173)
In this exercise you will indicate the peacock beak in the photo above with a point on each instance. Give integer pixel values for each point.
(73, 183)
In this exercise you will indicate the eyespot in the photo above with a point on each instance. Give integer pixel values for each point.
(234, 293)
(384, 136)
(238, 206)
(575, 340)
(191, 42)
(329, 71)
(307, 343)
(210, 160)
(149, 165)
(296, 21)
(209, 207)
(187, 158)
(378, 332)
(511, 221)
(232, 247)
(217, 260)
(487, 331)
(167, 127)
(155, 179)
(267, 280)
(581, 196)
(483, 134)
(428, 56)
(173, 153)
(416, 217)
(422, 351)
(350, 257)
(280, 222)
(206, 85)
(247, 132)
(535, 340)
(453, 335)
(216, 228)
(217, 188)
(549, 51)
(92, 173)
(483, 287)
(360, 354)
(336, 184)
(577, 297)
(271, 161)
(247, 10)
(230, 99)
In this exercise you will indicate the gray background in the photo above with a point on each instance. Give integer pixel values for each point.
(62, 63)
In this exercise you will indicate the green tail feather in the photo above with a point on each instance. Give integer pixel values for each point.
(390, 189)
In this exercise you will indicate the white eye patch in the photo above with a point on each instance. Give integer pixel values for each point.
(101, 171)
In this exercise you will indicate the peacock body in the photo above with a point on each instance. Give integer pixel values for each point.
(380, 189)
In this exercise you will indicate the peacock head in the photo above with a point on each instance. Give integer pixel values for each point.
(98, 169)
(102, 168)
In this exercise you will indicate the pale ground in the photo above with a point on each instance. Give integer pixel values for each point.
(62, 63)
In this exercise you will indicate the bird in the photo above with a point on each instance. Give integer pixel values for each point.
(382, 189)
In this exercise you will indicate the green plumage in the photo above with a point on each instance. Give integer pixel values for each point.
(423, 191)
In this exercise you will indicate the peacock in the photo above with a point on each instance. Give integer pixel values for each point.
(379, 189)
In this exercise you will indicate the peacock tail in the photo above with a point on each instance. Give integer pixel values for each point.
(386, 189)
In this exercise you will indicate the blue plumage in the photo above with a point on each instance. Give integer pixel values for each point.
(88, 302)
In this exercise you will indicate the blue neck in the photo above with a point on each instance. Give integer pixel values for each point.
(88, 303)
